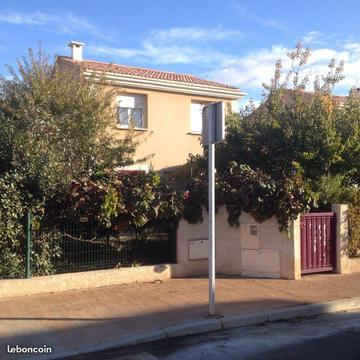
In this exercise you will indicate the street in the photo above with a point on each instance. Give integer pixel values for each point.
(327, 337)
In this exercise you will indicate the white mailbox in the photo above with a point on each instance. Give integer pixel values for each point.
(198, 249)
(249, 234)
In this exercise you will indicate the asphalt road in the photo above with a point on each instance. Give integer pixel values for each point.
(328, 337)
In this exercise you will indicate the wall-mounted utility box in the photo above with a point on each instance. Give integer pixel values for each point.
(198, 249)
(249, 234)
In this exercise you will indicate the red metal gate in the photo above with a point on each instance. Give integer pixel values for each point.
(318, 242)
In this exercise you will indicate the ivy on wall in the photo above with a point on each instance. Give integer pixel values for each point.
(241, 188)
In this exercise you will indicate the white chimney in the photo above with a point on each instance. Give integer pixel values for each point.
(76, 50)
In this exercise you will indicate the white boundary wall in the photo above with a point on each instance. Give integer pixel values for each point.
(83, 280)
(267, 253)
(344, 264)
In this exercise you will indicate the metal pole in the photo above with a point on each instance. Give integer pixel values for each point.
(28, 246)
(211, 229)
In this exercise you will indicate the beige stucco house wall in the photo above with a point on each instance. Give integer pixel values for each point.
(166, 133)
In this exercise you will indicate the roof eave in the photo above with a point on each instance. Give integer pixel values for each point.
(164, 85)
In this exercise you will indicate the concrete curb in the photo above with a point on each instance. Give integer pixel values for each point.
(193, 327)
(234, 321)
(313, 309)
(227, 322)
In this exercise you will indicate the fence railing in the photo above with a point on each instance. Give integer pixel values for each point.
(74, 247)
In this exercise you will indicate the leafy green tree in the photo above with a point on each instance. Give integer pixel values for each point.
(294, 132)
(11, 229)
(296, 151)
(55, 126)
(288, 127)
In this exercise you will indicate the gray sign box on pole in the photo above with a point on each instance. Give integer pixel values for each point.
(215, 114)
(213, 119)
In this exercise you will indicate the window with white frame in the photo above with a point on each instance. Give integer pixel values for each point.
(196, 116)
(131, 111)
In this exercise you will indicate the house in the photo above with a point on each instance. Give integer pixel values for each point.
(308, 96)
(165, 106)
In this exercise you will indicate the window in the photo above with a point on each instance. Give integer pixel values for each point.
(196, 117)
(131, 111)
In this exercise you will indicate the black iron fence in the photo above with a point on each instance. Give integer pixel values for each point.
(82, 246)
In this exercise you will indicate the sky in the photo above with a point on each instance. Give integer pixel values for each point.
(235, 42)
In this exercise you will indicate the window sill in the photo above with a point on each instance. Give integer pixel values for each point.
(127, 128)
(194, 133)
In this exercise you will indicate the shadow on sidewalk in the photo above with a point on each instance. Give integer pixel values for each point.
(66, 333)
(128, 310)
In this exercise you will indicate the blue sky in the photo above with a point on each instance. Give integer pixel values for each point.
(237, 42)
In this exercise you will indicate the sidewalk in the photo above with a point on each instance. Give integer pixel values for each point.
(78, 319)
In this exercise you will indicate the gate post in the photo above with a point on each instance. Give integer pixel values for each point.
(28, 246)
(290, 261)
(342, 237)
(296, 243)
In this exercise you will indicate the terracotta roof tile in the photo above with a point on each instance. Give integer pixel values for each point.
(309, 95)
(145, 73)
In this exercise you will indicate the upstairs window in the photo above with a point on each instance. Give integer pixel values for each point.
(131, 111)
(196, 117)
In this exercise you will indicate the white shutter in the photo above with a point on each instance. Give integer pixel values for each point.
(126, 101)
(196, 117)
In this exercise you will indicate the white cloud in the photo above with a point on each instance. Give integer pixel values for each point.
(68, 23)
(313, 37)
(174, 46)
(16, 18)
(250, 71)
(267, 22)
(196, 33)
(352, 47)
(151, 52)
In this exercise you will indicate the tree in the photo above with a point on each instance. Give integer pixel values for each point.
(55, 126)
(294, 132)
(295, 152)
